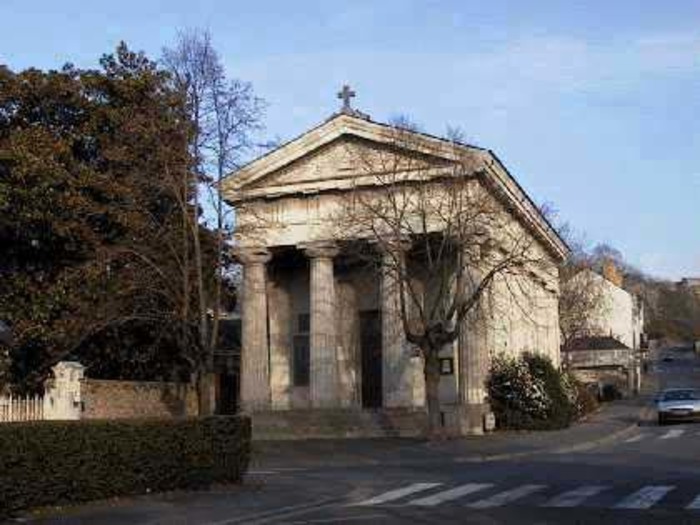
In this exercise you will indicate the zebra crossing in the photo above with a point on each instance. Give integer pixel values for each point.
(483, 496)
(672, 433)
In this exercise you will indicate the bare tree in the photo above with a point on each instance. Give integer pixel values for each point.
(224, 113)
(582, 299)
(440, 239)
(581, 303)
(582, 295)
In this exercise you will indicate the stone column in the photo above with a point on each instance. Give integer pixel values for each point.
(474, 355)
(280, 324)
(323, 386)
(397, 367)
(418, 387)
(255, 359)
(348, 326)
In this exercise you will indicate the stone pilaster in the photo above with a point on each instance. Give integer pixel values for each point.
(397, 366)
(323, 341)
(473, 354)
(255, 359)
(553, 312)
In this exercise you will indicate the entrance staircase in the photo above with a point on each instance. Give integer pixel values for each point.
(338, 423)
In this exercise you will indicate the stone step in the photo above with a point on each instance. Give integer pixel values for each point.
(338, 423)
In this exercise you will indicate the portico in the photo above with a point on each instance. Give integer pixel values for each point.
(331, 326)
(321, 315)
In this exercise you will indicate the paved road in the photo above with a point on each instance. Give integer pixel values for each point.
(650, 474)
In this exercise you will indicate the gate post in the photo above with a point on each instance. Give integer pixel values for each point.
(62, 397)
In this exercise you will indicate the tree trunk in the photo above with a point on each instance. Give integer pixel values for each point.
(202, 388)
(432, 393)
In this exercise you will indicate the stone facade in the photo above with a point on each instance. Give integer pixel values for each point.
(107, 399)
(621, 315)
(323, 332)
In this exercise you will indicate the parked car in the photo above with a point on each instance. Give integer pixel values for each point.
(678, 404)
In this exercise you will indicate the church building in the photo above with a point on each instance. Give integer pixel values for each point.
(321, 328)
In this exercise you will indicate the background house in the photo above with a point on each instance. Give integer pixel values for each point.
(608, 354)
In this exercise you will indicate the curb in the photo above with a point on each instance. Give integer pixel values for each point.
(579, 447)
(644, 412)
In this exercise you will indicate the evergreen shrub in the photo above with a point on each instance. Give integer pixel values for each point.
(529, 393)
(46, 463)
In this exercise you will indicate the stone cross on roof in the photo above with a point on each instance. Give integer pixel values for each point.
(346, 94)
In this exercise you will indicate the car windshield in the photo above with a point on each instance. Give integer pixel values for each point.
(680, 395)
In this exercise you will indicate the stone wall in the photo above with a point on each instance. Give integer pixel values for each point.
(618, 377)
(103, 399)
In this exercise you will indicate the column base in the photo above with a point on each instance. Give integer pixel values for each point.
(470, 419)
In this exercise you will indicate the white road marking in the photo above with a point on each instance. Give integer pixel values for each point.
(396, 494)
(575, 497)
(451, 494)
(695, 504)
(645, 498)
(506, 497)
(636, 438)
(673, 433)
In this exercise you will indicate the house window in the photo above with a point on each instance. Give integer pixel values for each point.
(301, 363)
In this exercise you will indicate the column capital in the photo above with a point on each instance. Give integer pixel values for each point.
(320, 249)
(251, 254)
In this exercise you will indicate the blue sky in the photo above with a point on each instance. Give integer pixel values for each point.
(594, 106)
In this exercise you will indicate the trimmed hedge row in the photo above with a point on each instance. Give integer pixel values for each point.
(58, 462)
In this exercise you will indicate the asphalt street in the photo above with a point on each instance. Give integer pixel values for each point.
(649, 474)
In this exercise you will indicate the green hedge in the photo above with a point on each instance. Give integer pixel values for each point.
(51, 462)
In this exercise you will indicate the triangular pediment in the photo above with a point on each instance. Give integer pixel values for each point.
(341, 150)
(348, 151)
(347, 157)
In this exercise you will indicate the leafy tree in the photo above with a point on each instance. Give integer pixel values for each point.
(94, 177)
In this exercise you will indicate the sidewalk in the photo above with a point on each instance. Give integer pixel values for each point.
(611, 422)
